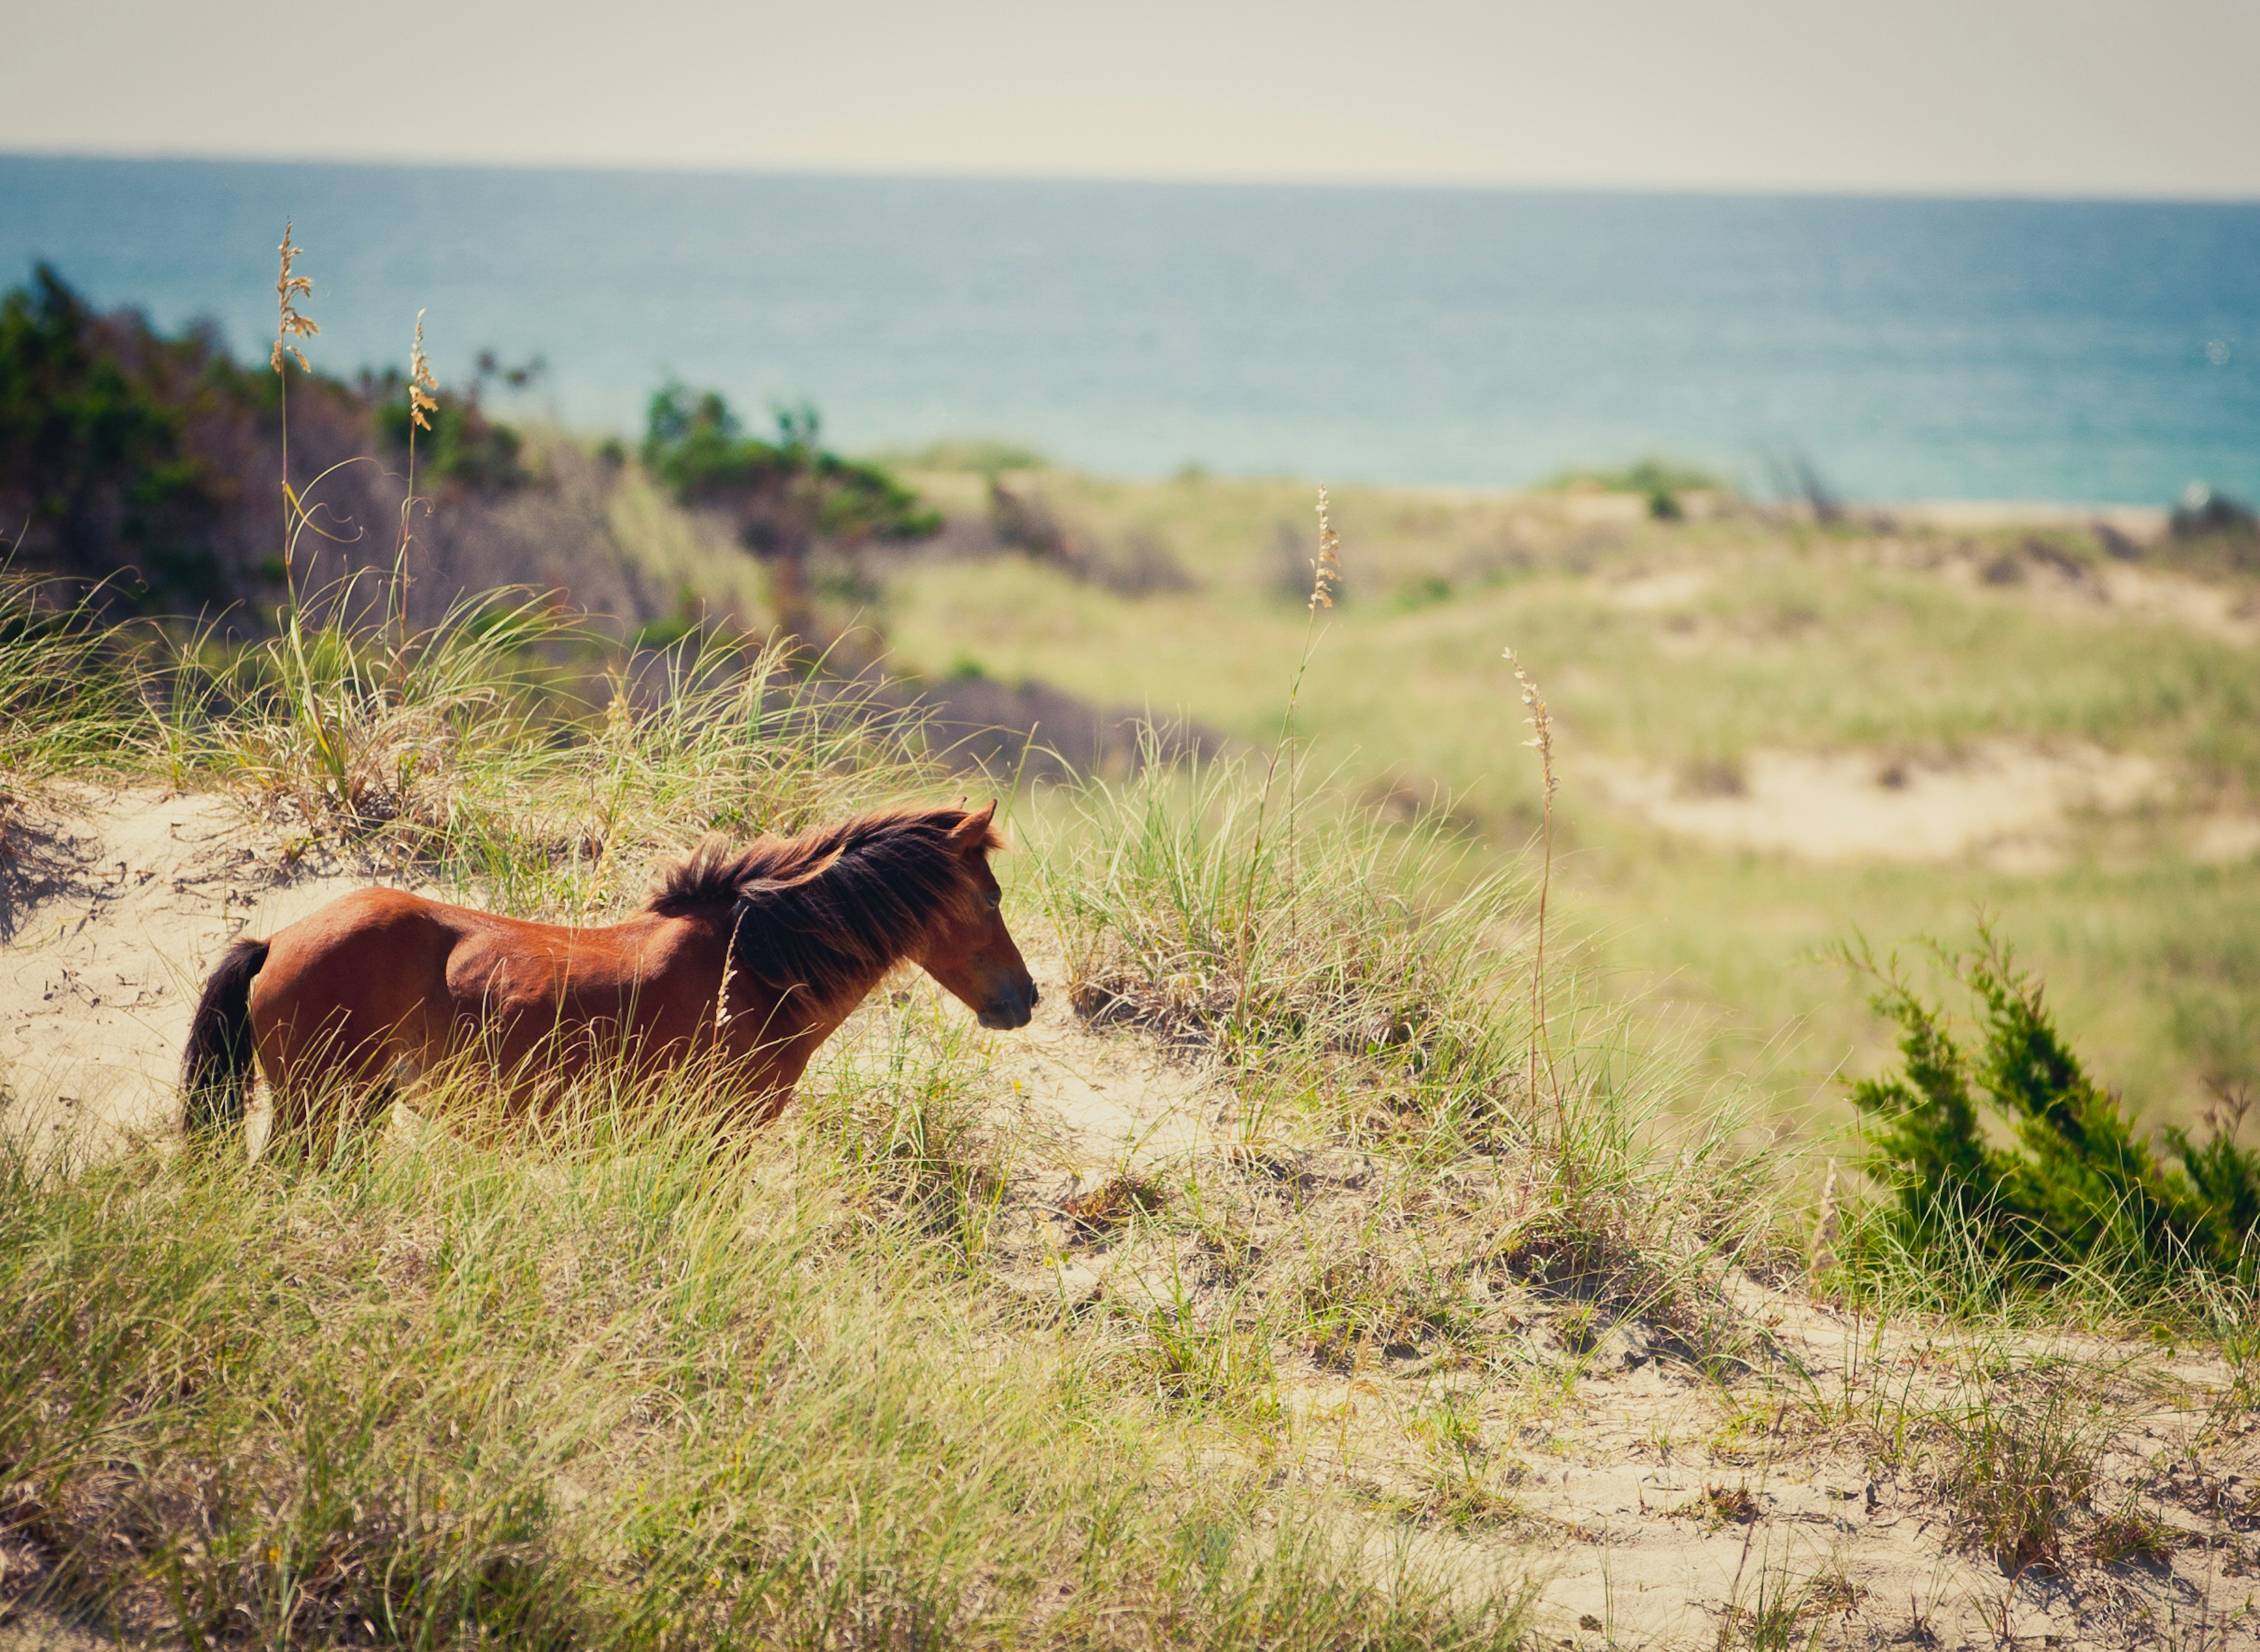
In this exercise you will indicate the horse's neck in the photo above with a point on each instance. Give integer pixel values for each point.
(785, 1028)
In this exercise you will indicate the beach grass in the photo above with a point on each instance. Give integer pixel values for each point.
(1675, 654)
(594, 1384)
(605, 1376)
(613, 1376)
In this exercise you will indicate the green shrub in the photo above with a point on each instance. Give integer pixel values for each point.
(1652, 475)
(145, 463)
(783, 497)
(2077, 1189)
(96, 466)
(782, 492)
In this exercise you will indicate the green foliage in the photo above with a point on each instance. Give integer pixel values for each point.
(463, 446)
(95, 456)
(147, 464)
(2078, 1190)
(784, 493)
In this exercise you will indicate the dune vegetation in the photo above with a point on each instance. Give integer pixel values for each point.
(1777, 733)
(1468, 1216)
(590, 1379)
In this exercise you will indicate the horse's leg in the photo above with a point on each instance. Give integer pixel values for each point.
(298, 1051)
(336, 1083)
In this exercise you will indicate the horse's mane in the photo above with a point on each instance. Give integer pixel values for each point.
(820, 911)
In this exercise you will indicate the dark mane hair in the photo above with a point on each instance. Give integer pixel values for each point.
(820, 911)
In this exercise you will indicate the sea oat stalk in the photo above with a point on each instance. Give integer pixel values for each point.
(1326, 568)
(423, 400)
(1541, 741)
(1325, 580)
(288, 325)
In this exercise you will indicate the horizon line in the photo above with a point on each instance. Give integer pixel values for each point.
(815, 172)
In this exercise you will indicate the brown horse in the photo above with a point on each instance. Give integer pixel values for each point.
(752, 954)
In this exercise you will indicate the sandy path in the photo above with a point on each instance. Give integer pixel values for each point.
(1650, 1503)
(110, 916)
(1106, 1104)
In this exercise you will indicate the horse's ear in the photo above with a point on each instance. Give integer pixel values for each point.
(972, 833)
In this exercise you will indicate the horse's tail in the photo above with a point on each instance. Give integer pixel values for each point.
(215, 1074)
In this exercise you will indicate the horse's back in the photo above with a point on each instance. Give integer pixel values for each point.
(369, 928)
(367, 969)
(650, 980)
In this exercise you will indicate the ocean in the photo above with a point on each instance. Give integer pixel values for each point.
(1904, 349)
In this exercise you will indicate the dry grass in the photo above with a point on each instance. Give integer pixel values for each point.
(2021, 1468)
(2016, 1443)
(590, 1385)
(1777, 1609)
(1540, 741)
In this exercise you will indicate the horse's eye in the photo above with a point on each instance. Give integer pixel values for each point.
(997, 900)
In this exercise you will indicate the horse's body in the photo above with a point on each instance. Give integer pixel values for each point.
(753, 956)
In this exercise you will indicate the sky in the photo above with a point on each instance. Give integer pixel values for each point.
(2068, 97)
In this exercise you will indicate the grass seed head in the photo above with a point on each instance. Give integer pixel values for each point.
(1541, 721)
(1326, 570)
(288, 324)
(423, 388)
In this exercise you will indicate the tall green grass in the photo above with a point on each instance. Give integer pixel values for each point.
(1354, 984)
(593, 1384)
(349, 725)
(66, 698)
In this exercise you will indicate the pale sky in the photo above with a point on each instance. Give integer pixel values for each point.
(2018, 96)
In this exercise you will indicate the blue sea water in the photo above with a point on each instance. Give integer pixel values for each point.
(1906, 347)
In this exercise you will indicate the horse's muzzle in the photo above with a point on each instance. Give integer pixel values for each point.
(1015, 1007)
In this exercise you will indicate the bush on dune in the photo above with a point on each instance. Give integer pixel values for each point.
(142, 466)
(2076, 1194)
(781, 497)
(104, 456)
